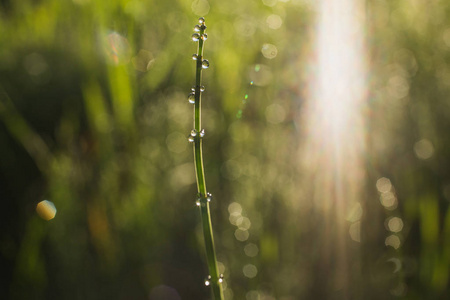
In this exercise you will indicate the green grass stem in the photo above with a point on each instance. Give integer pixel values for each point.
(214, 279)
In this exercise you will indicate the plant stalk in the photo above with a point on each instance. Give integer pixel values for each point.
(200, 176)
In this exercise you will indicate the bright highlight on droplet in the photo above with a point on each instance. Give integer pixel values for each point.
(424, 149)
(46, 210)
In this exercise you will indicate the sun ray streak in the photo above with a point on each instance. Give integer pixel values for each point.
(335, 129)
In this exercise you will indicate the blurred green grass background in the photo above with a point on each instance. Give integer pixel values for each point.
(94, 117)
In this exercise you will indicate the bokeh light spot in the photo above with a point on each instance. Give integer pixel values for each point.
(355, 231)
(260, 75)
(253, 295)
(200, 7)
(388, 200)
(164, 292)
(275, 113)
(424, 149)
(235, 207)
(231, 170)
(245, 27)
(251, 250)
(243, 223)
(384, 185)
(46, 210)
(269, 51)
(143, 61)
(241, 235)
(355, 213)
(176, 142)
(393, 241)
(274, 21)
(117, 48)
(35, 64)
(395, 224)
(250, 271)
(270, 3)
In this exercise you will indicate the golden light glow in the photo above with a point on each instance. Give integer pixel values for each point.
(46, 210)
(335, 131)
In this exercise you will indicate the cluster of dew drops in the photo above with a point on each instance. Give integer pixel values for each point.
(208, 280)
(205, 64)
(196, 37)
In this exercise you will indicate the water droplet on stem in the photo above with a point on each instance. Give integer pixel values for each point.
(205, 64)
(195, 37)
(208, 280)
(191, 98)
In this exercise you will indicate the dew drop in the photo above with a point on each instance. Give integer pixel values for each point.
(201, 21)
(208, 280)
(194, 132)
(194, 56)
(205, 64)
(220, 278)
(202, 133)
(191, 98)
(208, 197)
(195, 37)
(202, 88)
(191, 139)
(193, 89)
(197, 28)
(204, 36)
(197, 202)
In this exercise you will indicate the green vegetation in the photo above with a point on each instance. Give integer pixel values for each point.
(196, 137)
(93, 119)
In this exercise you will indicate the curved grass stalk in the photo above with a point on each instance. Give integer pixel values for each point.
(214, 279)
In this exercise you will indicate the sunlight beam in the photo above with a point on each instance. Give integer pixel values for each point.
(335, 131)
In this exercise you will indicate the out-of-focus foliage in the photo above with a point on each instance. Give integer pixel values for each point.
(94, 118)
(409, 120)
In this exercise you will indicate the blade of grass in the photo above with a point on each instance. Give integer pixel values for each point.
(204, 198)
